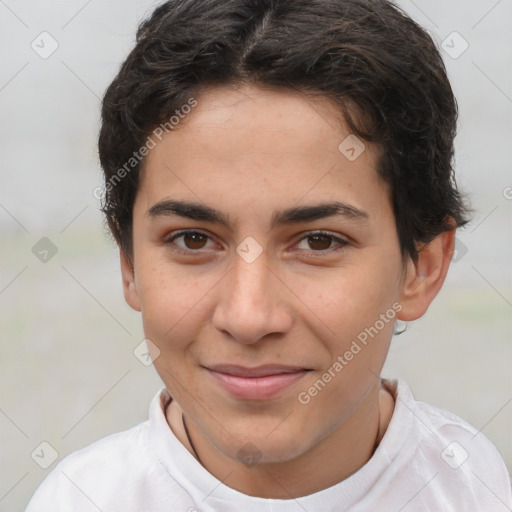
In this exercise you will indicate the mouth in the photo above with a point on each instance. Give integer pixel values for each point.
(257, 383)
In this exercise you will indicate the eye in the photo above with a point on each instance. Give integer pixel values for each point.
(190, 241)
(321, 241)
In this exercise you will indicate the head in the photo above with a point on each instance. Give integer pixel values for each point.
(306, 149)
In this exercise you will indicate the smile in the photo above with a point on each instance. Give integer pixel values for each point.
(255, 383)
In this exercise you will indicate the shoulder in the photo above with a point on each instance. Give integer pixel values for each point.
(107, 452)
(460, 440)
(118, 473)
(79, 478)
(461, 456)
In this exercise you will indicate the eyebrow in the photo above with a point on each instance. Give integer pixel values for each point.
(294, 215)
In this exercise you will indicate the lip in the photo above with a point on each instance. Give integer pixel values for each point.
(257, 383)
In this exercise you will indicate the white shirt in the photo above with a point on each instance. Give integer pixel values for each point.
(428, 460)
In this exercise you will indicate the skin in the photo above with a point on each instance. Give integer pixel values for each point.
(248, 151)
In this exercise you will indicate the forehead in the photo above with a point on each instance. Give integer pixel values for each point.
(262, 147)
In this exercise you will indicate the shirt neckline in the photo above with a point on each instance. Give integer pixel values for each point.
(210, 493)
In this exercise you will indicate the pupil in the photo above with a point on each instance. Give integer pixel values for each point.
(314, 239)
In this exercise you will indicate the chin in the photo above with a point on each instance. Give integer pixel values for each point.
(251, 450)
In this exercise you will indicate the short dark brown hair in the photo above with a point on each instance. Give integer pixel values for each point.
(381, 68)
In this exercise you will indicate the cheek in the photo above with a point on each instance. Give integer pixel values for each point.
(358, 307)
(352, 298)
(174, 306)
(174, 303)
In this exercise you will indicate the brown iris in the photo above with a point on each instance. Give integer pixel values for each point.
(194, 240)
(319, 242)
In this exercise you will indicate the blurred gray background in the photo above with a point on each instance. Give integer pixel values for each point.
(68, 374)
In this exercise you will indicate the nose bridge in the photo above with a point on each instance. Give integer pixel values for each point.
(251, 305)
(251, 281)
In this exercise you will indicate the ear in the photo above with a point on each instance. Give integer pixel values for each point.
(424, 278)
(129, 286)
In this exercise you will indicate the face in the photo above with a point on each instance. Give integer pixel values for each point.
(263, 256)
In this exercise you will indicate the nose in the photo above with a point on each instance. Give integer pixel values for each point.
(253, 302)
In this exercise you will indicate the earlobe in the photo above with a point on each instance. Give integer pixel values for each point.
(425, 277)
(129, 286)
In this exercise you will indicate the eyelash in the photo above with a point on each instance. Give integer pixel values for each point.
(342, 242)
